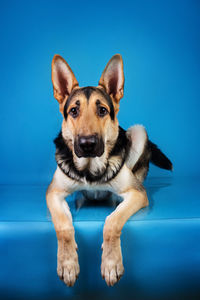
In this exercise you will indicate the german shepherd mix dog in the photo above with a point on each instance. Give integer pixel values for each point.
(96, 156)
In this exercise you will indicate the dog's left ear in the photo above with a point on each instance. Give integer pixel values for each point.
(112, 78)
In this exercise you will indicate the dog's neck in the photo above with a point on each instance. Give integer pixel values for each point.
(101, 169)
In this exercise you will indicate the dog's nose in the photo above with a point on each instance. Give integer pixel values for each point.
(87, 143)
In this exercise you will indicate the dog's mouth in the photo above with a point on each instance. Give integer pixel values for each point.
(88, 146)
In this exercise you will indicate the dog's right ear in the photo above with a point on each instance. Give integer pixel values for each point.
(63, 78)
(112, 79)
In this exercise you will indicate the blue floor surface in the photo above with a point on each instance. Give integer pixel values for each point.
(160, 245)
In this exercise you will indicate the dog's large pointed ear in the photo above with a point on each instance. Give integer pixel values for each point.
(63, 78)
(112, 78)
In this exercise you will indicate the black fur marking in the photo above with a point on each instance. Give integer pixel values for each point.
(88, 91)
(68, 103)
(63, 150)
(158, 158)
(64, 158)
(121, 143)
(109, 102)
(142, 165)
(98, 102)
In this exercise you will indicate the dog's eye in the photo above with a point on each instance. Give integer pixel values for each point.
(102, 111)
(74, 111)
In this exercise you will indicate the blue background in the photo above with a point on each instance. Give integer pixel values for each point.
(160, 45)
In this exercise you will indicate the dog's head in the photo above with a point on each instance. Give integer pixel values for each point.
(90, 125)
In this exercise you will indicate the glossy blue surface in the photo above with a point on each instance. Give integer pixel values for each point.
(169, 198)
(160, 245)
(158, 258)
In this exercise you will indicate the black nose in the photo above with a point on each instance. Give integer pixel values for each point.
(87, 143)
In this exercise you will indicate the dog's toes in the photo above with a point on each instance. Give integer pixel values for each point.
(112, 266)
(113, 277)
(107, 276)
(112, 273)
(68, 270)
(69, 276)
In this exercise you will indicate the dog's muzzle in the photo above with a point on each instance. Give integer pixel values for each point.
(88, 146)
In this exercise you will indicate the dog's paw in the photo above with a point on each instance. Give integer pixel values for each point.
(68, 267)
(111, 267)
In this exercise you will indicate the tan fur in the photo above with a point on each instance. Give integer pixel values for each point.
(112, 265)
(125, 184)
(67, 258)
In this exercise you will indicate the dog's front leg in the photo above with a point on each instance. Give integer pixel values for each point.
(67, 258)
(112, 267)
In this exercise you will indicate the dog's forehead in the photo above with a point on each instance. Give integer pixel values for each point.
(88, 92)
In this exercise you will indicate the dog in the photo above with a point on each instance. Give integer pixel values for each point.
(95, 155)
